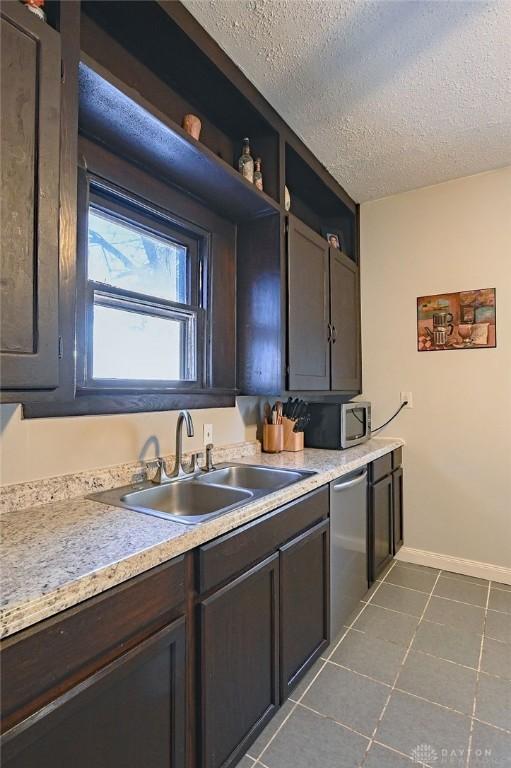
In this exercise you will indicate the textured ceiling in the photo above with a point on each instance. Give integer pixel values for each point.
(390, 95)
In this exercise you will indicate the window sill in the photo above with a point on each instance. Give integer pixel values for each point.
(97, 403)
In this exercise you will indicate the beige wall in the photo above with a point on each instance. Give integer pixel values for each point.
(36, 448)
(449, 237)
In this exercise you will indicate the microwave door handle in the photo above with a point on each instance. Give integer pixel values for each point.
(350, 483)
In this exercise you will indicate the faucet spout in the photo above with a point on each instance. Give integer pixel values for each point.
(184, 417)
(161, 475)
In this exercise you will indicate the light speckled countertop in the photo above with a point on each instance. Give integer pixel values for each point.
(56, 555)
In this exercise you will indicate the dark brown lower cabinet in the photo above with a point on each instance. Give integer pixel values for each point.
(118, 682)
(397, 491)
(304, 603)
(239, 646)
(129, 714)
(380, 527)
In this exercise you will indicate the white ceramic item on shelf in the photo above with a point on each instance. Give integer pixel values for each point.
(287, 199)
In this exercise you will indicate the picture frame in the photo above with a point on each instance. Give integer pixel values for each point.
(334, 239)
(457, 320)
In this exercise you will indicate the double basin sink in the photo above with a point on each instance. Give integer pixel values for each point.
(203, 495)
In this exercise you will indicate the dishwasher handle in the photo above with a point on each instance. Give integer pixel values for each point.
(350, 483)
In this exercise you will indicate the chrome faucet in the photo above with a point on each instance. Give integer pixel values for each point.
(161, 475)
(184, 416)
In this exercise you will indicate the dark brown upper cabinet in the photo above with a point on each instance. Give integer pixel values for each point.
(345, 322)
(30, 124)
(298, 311)
(308, 308)
(324, 314)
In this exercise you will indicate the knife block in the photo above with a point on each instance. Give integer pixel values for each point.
(273, 438)
(293, 441)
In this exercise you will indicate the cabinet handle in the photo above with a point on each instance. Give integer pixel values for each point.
(334, 334)
(329, 338)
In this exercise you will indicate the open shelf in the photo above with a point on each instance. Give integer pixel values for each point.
(118, 117)
(315, 203)
(149, 51)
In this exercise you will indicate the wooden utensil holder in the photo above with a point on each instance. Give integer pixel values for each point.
(293, 441)
(273, 438)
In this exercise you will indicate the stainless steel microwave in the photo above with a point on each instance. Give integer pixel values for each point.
(338, 425)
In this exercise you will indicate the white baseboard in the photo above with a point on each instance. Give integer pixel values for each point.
(455, 564)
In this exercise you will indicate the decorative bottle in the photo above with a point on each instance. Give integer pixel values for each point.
(246, 162)
(258, 175)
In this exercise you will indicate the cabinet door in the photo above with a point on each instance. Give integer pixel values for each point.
(30, 123)
(308, 309)
(397, 491)
(304, 603)
(238, 663)
(129, 714)
(380, 526)
(345, 320)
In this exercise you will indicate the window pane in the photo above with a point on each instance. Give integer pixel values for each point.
(129, 257)
(133, 345)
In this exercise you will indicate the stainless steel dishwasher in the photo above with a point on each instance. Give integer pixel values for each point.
(348, 546)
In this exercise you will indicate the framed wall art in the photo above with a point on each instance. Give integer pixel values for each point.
(463, 320)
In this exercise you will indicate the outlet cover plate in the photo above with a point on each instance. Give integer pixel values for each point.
(207, 434)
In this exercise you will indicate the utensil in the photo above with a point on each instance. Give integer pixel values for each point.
(276, 413)
(301, 423)
(301, 410)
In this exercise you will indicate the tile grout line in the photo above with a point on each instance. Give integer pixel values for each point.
(491, 725)
(440, 597)
(398, 673)
(495, 610)
(474, 605)
(398, 752)
(476, 690)
(502, 586)
(337, 722)
(459, 602)
(499, 586)
(394, 610)
(297, 701)
(402, 586)
(360, 674)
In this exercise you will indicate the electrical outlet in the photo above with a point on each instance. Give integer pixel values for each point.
(207, 434)
(406, 397)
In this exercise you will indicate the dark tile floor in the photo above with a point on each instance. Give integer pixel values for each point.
(422, 675)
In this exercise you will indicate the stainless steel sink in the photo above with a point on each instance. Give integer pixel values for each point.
(204, 495)
(188, 500)
(253, 478)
